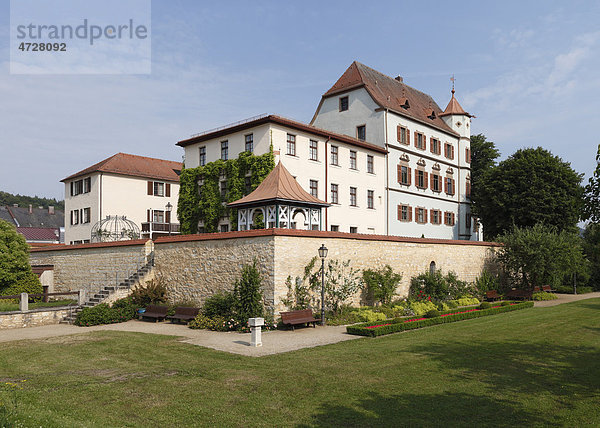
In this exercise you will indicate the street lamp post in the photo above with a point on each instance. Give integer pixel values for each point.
(169, 207)
(323, 254)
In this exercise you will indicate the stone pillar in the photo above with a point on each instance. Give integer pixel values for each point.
(255, 330)
(24, 302)
(82, 297)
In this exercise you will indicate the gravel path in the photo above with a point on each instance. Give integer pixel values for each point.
(565, 298)
(274, 342)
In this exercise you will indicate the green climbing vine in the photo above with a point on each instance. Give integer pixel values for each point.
(205, 202)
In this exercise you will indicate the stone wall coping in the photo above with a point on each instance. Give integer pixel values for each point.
(48, 309)
(314, 234)
(62, 247)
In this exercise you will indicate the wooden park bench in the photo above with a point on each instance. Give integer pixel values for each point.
(492, 295)
(294, 318)
(156, 312)
(536, 289)
(184, 314)
(519, 294)
(548, 289)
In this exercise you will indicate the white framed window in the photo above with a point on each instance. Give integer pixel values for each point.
(159, 188)
(352, 159)
(370, 166)
(86, 215)
(361, 132)
(334, 155)
(334, 193)
(158, 216)
(344, 103)
(249, 141)
(224, 150)
(353, 197)
(370, 197)
(313, 150)
(291, 144)
(404, 213)
(314, 188)
(202, 160)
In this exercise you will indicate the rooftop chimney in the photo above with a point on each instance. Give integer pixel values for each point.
(30, 209)
(399, 78)
(51, 210)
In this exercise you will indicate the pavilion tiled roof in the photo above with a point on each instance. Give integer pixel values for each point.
(279, 185)
(135, 166)
(392, 94)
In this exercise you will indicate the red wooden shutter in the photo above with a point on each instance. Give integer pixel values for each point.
(407, 136)
(453, 186)
(446, 185)
(168, 216)
(409, 175)
(431, 215)
(453, 220)
(150, 188)
(410, 210)
(424, 215)
(399, 212)
(167, 190)
(149, 215)
(431, 144)
(425, 180)
(399, 173)
(452, 151)
(399, 134)
(416, 139)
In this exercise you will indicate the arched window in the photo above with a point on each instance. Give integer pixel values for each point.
(432, 268)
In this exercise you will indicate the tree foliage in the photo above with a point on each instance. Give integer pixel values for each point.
(591, 208)
(531, 186)
(382, 283)
(16, 275)
(205, 203)
(540, 255)
(591, 248)
(23, 201)
(341, 282)
(248, 295)
(483, 158)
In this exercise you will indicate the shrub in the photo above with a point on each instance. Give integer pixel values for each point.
(443, 306)
(485, 305)
(436, 286)
(486, 282)
(452, 304)
(298, 296)
(432, 313)
(369, 315)
(154, 292)
(222, 304)
(121, 310)
(505, 303)
(15, 272)
(382, 283)
(248, 296)
(421, 308)
(542, 295)
(341, 282)
(583, 290)
(28, 283)
(467, 301)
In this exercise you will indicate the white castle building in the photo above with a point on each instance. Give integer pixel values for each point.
(383, 155)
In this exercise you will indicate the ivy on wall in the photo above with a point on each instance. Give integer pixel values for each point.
(205, 202)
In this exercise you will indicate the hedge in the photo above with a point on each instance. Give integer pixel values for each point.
(401, 324)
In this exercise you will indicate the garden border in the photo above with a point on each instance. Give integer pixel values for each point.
(396, 325)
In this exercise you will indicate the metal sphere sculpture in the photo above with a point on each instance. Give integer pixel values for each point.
(115, 228)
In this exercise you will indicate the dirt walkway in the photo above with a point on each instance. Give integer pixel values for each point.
(565, 298)
(274, 342)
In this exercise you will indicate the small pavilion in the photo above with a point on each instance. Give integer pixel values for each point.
(282, 202)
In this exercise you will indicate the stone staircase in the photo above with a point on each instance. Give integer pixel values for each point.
(109, 290)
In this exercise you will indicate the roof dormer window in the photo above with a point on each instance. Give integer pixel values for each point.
(404, 103)
(431, 115)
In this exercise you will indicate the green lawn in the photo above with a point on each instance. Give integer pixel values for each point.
(535, 367)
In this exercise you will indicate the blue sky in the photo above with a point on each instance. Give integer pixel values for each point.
(526, 69)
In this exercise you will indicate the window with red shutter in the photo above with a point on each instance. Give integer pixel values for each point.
(150, 188)
(426, 180)
(168, 189)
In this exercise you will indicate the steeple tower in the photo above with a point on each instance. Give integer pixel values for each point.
(456, 118)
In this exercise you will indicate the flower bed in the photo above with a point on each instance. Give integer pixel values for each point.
(400, 324)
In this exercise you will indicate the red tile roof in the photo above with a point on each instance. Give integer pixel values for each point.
(281, 121)
(279, 185)
(39, 233)
(391, 94)
(135, 166)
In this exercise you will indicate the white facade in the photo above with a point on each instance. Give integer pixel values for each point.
(115, 195)
(382, 129)
(310, 170)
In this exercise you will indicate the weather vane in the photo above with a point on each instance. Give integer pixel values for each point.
(452, 79)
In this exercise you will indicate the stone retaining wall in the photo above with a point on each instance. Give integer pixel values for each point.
(90, 267)
(194, 267)
(32, 318)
